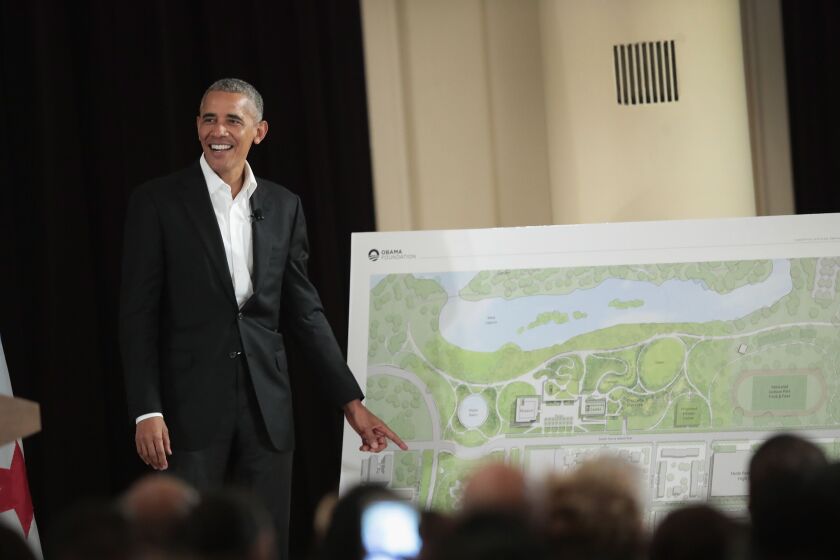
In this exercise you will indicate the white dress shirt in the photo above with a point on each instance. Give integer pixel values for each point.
(234, 217)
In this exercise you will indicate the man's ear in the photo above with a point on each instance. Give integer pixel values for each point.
(262, 130)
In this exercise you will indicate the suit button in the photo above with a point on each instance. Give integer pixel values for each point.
(239, 316)
(233, 355)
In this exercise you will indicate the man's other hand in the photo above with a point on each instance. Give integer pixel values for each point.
(152, 440)
(373, 431)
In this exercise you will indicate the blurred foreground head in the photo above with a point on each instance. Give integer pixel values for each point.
(228, 525)
(779, 459)
(697, 532)
(156, 505)
(12, 545)
(496, 487)
(343, 538)
(820, 504)
(489, 535)
(91, 530)
(594, 512)
(780, 471)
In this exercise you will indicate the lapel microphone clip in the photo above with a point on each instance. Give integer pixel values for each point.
(257, 215)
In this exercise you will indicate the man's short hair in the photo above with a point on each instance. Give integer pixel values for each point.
(235, 85)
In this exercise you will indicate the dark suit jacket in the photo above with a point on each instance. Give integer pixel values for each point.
(181, 331)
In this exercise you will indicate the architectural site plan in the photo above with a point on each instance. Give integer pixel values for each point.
(682, 367)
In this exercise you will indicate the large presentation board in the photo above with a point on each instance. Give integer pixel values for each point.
(677, 345)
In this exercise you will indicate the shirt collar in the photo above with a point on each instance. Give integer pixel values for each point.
(214, 182)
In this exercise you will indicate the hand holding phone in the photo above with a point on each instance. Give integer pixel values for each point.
(391, 531)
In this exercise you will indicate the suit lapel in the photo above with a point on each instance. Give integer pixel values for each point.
(261, 232)
(196, 199)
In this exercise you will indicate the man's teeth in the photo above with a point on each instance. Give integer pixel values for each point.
(220, 147)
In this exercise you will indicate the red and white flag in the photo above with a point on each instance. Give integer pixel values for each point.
(15, 501)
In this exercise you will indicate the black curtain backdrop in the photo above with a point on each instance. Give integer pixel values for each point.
(812, 60)
(99, 96)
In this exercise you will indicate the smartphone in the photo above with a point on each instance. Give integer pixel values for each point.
(391, 531)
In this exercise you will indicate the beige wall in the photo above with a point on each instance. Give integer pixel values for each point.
(611, 162)
(502, 112)
(457, 113)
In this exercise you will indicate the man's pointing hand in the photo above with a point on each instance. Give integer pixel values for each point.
(373, 431)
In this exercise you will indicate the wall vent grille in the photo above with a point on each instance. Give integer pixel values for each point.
(646, 73)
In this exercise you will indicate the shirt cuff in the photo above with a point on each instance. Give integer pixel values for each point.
(149, 415)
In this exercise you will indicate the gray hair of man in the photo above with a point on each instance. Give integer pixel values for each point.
(235, 85)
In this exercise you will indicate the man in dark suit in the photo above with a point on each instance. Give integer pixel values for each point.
(213, 258)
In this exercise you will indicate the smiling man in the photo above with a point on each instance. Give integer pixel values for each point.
(228, 123)
(213, 258)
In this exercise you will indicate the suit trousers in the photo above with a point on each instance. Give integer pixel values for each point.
(243, 457)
